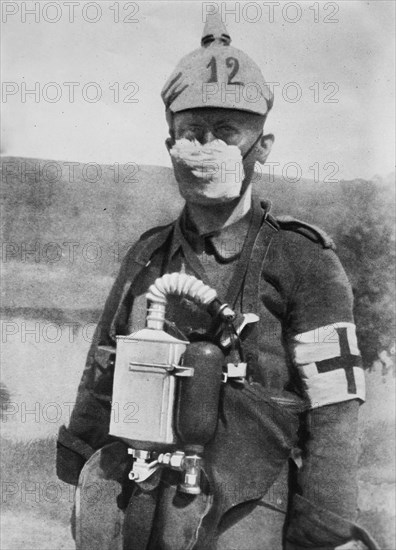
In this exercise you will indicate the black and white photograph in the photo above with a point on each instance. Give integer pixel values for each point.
(198, 275)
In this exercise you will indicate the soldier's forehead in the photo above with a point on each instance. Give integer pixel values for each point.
(215, 114)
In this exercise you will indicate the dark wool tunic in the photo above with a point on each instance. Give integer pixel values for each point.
(303, 355)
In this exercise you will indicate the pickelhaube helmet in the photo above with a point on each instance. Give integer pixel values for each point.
(217, 75)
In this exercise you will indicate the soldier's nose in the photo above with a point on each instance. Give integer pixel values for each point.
(207, 137)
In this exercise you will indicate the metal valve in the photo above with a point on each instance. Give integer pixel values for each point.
(143, 465)
(146, 463)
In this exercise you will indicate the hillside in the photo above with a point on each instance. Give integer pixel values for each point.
(53, 201)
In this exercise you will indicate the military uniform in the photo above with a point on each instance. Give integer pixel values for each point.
(305, 380)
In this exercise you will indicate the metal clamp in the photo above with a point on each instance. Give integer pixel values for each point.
(247, 319)
(186, 372)
(236, 371)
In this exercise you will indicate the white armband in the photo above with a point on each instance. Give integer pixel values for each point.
(329, 364)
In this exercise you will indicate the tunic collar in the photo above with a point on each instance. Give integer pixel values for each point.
(227, 243)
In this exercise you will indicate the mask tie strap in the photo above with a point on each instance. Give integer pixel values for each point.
(252, 147)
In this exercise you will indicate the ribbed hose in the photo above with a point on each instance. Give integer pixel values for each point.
(181, 284)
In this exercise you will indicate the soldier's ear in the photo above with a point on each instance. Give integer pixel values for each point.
(264, 147)
(170, 141)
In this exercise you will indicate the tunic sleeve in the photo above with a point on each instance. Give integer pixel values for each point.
(322, 344)
(321, 334)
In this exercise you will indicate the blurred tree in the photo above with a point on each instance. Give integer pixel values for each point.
(365, 239)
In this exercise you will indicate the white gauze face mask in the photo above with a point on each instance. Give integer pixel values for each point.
(207, 174)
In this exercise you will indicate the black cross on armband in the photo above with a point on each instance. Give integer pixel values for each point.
(345, 361)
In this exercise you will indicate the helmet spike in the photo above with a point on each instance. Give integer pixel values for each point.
(215, 31)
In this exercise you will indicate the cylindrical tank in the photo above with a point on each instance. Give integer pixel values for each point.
(198, 396)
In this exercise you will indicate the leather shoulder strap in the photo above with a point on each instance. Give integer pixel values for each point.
(250, 290)
(259, 251)
(242, 266)
(315, 234)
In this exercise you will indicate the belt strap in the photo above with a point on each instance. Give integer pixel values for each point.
(139, 520)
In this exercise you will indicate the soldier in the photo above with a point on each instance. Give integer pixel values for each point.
(305, 380)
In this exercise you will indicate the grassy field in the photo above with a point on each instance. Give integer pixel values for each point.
(41, 378)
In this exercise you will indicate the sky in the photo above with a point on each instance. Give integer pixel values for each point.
(97, 69)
